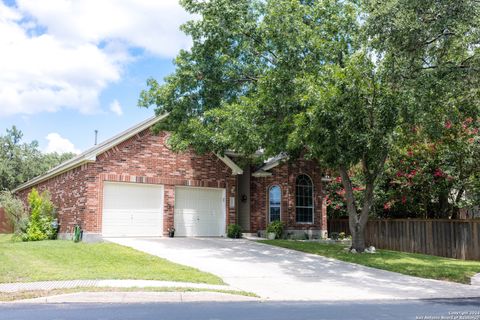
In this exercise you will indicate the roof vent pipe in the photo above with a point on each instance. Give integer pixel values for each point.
(96, 135)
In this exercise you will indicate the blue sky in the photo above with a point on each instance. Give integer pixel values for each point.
(72, 66)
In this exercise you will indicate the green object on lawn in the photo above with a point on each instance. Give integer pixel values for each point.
(77, 234)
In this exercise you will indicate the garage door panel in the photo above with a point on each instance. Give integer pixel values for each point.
(131, 209)
(199, 212)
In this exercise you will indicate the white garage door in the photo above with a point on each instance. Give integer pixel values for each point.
(131, 209)
(199, 212)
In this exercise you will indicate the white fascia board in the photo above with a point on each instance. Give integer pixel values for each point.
(91, 154)
(236, 170)
(270, 165)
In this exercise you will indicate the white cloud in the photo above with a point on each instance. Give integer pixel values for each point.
(116, 108)
(152, 25)
(56, 143)
(57, 54)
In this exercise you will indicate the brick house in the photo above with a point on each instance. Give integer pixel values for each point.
(133, 185)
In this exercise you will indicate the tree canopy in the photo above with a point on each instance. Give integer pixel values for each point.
(21, 161)
(332, 80)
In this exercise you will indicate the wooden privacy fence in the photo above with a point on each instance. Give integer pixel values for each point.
(5, 227)
(459, 239)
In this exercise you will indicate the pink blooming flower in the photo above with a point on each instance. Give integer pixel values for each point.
(469, 120)
(471, 140)
(387, 205)
(448, 124)
(438, 173)
(412, 174)
(338, 179)
(399, 174)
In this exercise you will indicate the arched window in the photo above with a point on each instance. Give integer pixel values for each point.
(304, 199)
(274, 203)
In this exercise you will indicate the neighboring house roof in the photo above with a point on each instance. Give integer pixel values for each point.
(91, 154)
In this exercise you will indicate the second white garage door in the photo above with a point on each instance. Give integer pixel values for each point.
(132, 209)
(199, 212)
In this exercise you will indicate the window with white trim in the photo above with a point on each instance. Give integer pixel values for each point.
(304, 199)
(274, 203)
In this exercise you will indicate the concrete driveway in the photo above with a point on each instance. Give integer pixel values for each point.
(280, 274)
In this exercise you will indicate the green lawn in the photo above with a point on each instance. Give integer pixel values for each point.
(66, 260)
(413, 264)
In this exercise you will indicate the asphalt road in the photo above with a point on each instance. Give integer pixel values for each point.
(458, 309)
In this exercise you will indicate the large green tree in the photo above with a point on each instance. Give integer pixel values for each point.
(312, 78)
(21, 161)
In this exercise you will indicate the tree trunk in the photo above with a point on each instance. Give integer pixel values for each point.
(357, 222)
(455, 209)
(443, 205)
(358, 219)
(358, 239)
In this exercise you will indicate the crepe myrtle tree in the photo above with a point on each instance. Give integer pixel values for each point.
(300, 77)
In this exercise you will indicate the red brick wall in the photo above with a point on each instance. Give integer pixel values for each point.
(285, 175)
(144, 158)
(5, 226)
(69, 194)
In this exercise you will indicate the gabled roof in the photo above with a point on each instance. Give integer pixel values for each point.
(271, 163)
(91, 154)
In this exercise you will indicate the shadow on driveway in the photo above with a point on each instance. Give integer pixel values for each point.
(283, 274)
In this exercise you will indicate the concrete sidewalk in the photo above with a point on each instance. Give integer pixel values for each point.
(136, 297)
(49, 285)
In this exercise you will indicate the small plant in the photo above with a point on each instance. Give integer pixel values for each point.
(42, 214)
(276, 227)
(341, 235)
(234, 231)
(334, 235)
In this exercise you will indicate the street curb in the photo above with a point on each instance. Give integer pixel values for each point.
(70, 284)
(135, 297)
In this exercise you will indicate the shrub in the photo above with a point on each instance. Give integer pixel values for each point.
(334, 235)
(234, 231)
(42, 214)
(277, 228)
(14, 210)
(341, 235)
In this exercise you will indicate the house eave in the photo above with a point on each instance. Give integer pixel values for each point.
(91, 154)
(236, 170)
(50, 174)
